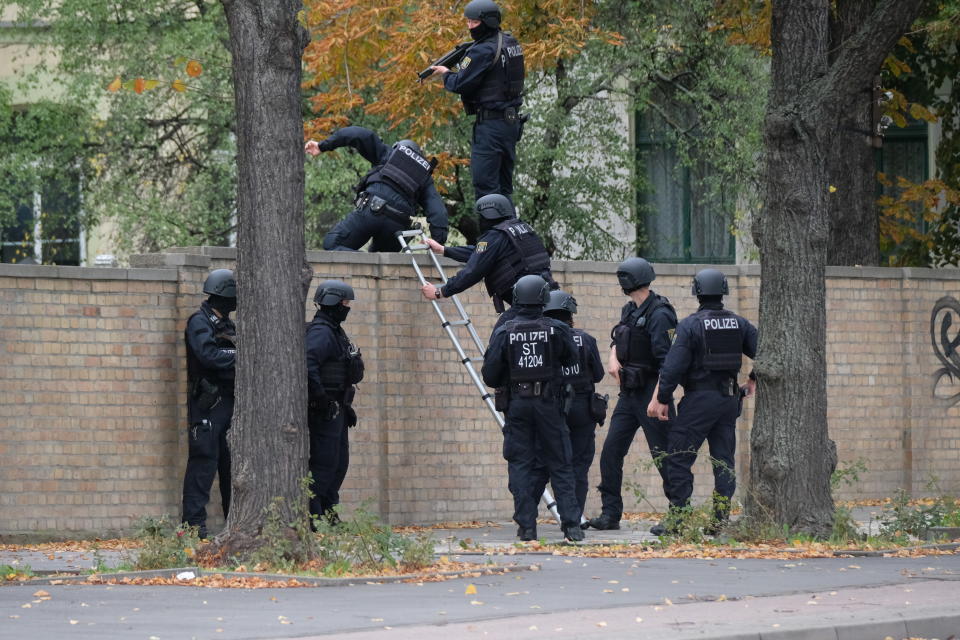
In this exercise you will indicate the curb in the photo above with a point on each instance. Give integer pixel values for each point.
(924, 626)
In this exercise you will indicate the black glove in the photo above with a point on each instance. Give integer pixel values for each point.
(349, 416)
(332, 410)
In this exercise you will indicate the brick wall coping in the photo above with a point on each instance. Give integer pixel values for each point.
(86, 273)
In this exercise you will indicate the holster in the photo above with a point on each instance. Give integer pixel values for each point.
(206, 394)
(568, 395)
(501, 398)
(598, 407)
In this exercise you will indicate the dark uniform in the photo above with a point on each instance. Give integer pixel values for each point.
(211, 357)
(333, 367)
(399, 181)
(642, 340)
(490, 83)
(525, 356)
(705, 358)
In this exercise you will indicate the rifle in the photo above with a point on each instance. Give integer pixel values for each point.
(449, 59)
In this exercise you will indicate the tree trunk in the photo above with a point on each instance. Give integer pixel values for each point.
(268, 439)
(792, 454)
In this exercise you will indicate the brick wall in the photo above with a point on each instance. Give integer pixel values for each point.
(92, 387)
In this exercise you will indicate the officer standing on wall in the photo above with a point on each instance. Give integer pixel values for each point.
(583, 408)
(490, 83)
(525, 356)
(400, 180)
(640, 343)
(506, 250)
(705, 358)
(210, 338)
(334, 365)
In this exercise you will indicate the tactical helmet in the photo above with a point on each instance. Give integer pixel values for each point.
(494, 206)
(634, 273)
(221, 283)
(331, 292)
(710, 282)
(561, 301)
(531, 290)
(486, 11)
(410, 144)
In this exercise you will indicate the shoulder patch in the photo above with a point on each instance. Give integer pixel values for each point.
(672, 335)
(465, 62)
(481, 246)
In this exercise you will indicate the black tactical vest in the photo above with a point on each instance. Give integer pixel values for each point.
(224, 335)
(722, 340)
(579, 374)
(528, 256)
(406, 170)
(632, 337)
(340, 371)
(503, 82)
(529, 350)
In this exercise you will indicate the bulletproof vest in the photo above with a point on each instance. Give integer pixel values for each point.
(224, 335)
(406, 170)
(527, 256)
(632, 337)
(335, 372)
(579, 374)
(529, 350)
(722, 340)
(503, 82)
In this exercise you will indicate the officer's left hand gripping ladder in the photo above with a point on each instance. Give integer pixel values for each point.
(411, 241)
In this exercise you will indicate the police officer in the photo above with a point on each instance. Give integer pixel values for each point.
(490, 83)
(582, 407)
(705, 358)
(640, 343)
(525, 356)
(400, 180)
(506, 250)
(210, 338)
(334, 365)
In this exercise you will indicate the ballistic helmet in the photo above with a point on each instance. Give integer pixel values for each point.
(410, 144)
(561, 301)
(486, 11)
(634, 273)
(531, 290)
(710, 282)
(221, 283)
(495, 206)
(331, 292)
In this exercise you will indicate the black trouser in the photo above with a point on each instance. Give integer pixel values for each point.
(492, 156)
(629, 415)
(535, 433)
(329, 459)
(703, 415)
(583, 447)
(208, 455)
(361, 225)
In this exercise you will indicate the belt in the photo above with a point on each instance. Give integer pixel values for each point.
(378, 206)
(531, 389)
(490, 114)
(710, 384)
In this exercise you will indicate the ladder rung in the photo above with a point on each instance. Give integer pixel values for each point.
(459, 323)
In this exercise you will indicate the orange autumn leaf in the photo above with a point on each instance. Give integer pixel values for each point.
(114, 86)
(178, 85)
(138, 85)
(194, 68)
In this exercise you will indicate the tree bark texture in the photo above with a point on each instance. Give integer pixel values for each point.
(792, 456)
(268, 438)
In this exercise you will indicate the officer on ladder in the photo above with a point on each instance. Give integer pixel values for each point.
(400, 180)
(524, 358)
(705, 358)
(507, 249)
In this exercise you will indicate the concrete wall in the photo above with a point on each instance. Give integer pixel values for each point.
(92, 384)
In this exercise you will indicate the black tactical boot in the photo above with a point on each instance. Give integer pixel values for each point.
(573, 533)
(658, 529)
(604, 522)
(527, 534)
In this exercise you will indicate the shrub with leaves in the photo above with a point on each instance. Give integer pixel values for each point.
(165, 544)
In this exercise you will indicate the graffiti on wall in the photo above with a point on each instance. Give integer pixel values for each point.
(945, 336)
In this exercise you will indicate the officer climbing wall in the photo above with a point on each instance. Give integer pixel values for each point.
(490, 83)
(334, 365)
(640, 343)
(210, 338)
(506, 250)
(705, 358)
(400, 180)
(524, 357)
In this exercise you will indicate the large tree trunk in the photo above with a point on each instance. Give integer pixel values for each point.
(792, 454)
(268, 439)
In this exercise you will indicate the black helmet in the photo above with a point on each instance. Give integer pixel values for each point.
(710, 282)
(531, 290)
(486, 11)
(331, 292)
(410, 144)
(221, 283)
(494, 206)
(634, 273)
(561, 301)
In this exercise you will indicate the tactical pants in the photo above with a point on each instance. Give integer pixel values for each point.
(536, 433)
(702, 415)
(492, 156)
(208, 455)
(361, 225)
(629, 415)
(329, 459)
(583, 447)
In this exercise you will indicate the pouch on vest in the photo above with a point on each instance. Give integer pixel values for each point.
(206, 394)
(598, 407)
(501, 398)
(355, 366)
(632, 378)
